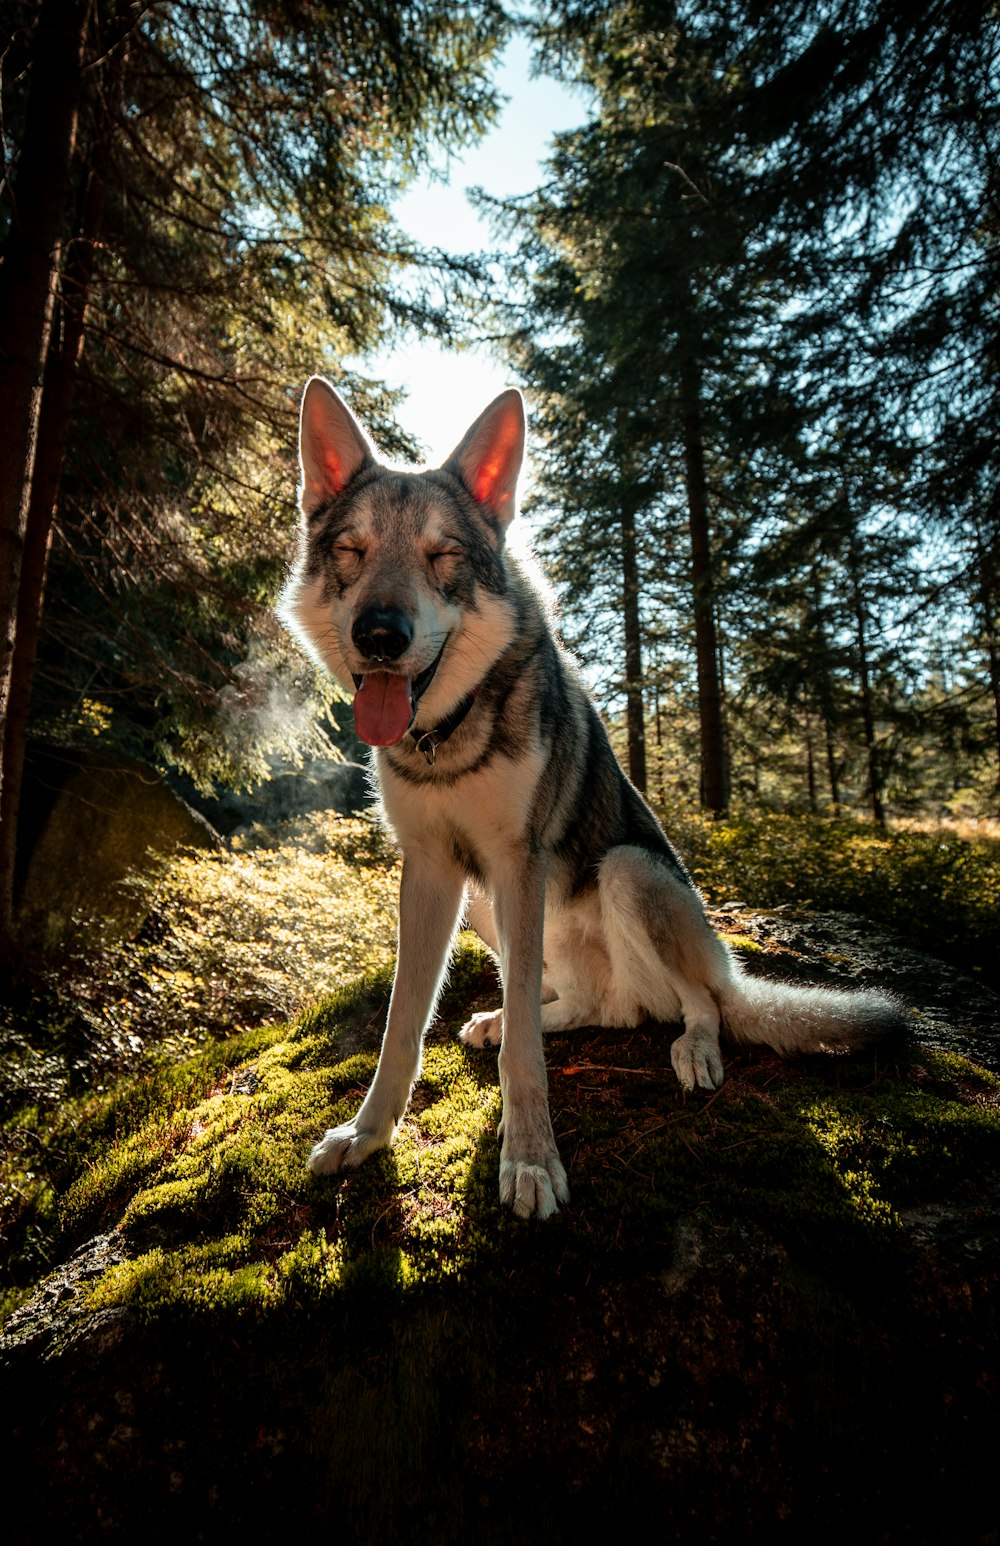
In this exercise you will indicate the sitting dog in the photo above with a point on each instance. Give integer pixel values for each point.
(507, 801)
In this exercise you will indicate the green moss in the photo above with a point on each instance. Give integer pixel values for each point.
(202, 1167)
(743, 944)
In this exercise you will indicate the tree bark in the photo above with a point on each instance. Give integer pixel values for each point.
(40, 222)
(831, 760)
(864, 681)
(987, 578)
(53, 435)
(810, 767)
(634, 707)
(714, 762)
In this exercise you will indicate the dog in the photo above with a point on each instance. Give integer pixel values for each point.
(509, 806)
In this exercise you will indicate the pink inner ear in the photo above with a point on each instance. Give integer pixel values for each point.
(332, 465)
(488, 476)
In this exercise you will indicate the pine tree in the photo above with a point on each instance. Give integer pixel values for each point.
(205, 209)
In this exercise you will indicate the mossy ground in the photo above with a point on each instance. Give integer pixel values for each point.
(200, 1165)
(735, 1306)
(331, 1328)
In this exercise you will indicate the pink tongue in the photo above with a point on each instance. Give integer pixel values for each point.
(382, 708)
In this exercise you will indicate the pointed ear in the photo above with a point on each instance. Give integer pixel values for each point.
(488, 458)
(332, 444)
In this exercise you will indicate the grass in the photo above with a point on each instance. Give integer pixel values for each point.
(200, 1164)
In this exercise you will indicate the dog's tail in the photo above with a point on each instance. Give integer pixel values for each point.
(805, 1019)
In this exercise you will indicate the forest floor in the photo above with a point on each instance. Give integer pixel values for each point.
(764, 1309)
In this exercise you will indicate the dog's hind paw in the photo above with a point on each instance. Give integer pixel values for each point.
(533, 1191)
(483, 1030)
(697, 1061)
(343, 1148)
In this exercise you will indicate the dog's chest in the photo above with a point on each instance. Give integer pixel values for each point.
(481, 818)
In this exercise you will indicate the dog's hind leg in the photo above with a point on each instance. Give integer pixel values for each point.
(485, 1028)
(430, 900)
(664, 951)
(565, 1013)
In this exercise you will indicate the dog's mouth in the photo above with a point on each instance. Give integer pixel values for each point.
(385, 703)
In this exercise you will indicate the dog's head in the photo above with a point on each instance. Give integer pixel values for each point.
(400, 585)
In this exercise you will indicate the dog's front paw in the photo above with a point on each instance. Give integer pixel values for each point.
(483, 1030)
(696, 1060)
(344, 1148)
(532, 1178)
(533, 1190)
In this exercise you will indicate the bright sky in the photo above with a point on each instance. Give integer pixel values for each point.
(447, 389)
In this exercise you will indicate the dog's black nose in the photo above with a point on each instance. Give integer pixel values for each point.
(382, 633)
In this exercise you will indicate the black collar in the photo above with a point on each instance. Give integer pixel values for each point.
(428, 741)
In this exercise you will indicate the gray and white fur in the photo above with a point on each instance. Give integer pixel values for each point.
(508, 804)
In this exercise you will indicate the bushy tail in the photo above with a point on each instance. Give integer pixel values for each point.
(798, 1019)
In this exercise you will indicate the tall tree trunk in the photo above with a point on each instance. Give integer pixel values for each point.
(831, 760)
(824, 696)
(634, 708)
(40, 222)
(810, 767)
(53, 435)
(714, 765)
(864, 681)
(661, 789)
(986, 568)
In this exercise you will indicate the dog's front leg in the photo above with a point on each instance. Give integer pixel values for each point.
(532, 1179)
(430, 902)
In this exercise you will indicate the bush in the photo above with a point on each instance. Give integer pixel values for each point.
(940, 890)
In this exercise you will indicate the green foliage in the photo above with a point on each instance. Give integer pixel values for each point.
(762, 284)
(940, 890)
(229, 232)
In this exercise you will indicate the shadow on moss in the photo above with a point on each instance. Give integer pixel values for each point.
(744, 1301)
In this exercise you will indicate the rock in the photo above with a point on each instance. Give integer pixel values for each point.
(953, 1009)
(90, 819)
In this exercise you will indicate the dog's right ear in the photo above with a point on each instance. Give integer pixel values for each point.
(332, 445)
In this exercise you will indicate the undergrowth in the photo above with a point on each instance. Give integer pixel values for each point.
(940, 890)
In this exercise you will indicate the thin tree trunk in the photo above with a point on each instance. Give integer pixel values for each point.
(40, 222)
(634, 708)
(864, 680)
(824, 697)
(831, 761)
(714, 767)
(810, 768)
(986, 567)
(661, 788)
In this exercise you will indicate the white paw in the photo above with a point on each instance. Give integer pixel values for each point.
(483, 1030)
(344, 1148)
(696, 1060)
(532, 1178)
(533, 1190)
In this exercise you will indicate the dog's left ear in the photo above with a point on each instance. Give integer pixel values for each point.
(488, 458)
